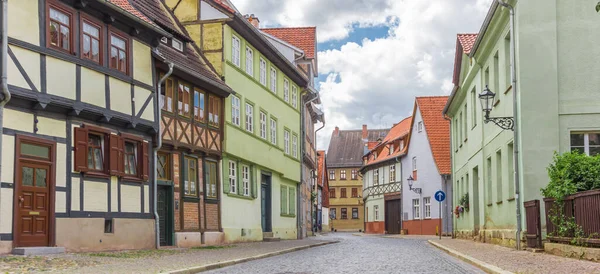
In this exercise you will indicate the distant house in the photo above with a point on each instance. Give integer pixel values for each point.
(323, 217)
(344, 160)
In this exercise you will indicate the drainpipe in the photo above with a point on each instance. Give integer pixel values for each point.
(452, 180)
(155, 154)
(513, 76)
(4, 52)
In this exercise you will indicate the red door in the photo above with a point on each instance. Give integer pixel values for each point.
(34, 203)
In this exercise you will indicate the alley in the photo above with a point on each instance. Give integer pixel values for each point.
(355, 254)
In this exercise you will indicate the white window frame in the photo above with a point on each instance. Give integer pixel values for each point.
(286, 141)
(179, 47)
(232, 177)
(427, 209)
(376, 209)
(249, 61)
(286, 90)
(391, 149)
(294, 96)
(246, 180)
(586, 140)
(273, 84)
(263, 125)
(262, 67)
(235, 110)
(236, 45)
(249, 117)
(392, 172)
(332, 175)
(273, 131)
(295, 145)
(414, 163)
(416, 204)
(376, 177)
(420, 126)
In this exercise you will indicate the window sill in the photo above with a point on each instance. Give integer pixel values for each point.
(288, 215)
(132, 179)
(499, 202)
(510, 199)
(427, 218)
(211, 200)
(490, 204)
(191, 199)
(96, 175)
(354, 218)
(233, 195)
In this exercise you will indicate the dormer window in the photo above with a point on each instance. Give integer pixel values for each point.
(178, 45)
(164, 40)
(391, 149)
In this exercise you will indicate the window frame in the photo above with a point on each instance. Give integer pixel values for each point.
(392, 173)
(273, 129)
(273, 80)
(332, 193)
(236, 110)
(173, 41)
(333, 214)
(263, 125)
(286, 90)
(214, 101)
(344, 213)
(355, 210)
(376, 176)
(167, 166)
(119, 34)
(249, 69)
(249, 117)
(103, 149)
(233, 176)
(343, 193)
(262, 77)
(181, 109)
(416, 206)
(138, 162)
(286, 141)
(85, 19)
(186, 177)
(586, 141)
(353, 175)
(294, 96)
(246, 180)
(202, 107)
(207, 183)
(294, 145)
(343, 174)
(420, 126)
(376, 209)
(164, 97)
(427, 207)
(67, 11)
(354, 193)
(332, 175)
(233, 51)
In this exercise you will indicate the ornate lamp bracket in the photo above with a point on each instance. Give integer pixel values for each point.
(506, 123)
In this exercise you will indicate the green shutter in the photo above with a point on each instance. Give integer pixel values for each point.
(226, 176)
(292, 208)
(253, 183)
(283, 198)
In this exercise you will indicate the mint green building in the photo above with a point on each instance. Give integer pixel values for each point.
(558, 106)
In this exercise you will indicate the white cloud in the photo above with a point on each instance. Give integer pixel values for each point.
(374, 82)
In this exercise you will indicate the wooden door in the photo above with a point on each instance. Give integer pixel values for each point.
(165, 213)
(392, 216)
(33, 199)
(265, 203)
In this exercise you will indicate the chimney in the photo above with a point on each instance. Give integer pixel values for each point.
(336, 131)
(253, 20)
(365, 133)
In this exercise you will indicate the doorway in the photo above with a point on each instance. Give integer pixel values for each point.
(265, 202)
(34, 192)
(392, 216)
(164, 207)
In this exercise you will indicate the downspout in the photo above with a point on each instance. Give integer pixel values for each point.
(513, 76)
(315, 142)
(451, 180)
(4, 52)
(155, 154)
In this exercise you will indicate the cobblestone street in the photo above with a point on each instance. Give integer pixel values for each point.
(376, 255)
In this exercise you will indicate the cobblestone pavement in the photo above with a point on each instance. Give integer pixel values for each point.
(359, 255)
(520, 261)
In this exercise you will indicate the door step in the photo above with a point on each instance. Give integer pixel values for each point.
(267, 234)
(42, 250)
(271, 239)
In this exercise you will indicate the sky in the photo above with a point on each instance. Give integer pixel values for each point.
(375, 56)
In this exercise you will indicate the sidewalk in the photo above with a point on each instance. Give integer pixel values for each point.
(156, 261)
(498, 259)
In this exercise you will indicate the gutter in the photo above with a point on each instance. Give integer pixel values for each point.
(486, 24)
(449, 102)
(4, 51)
(155, 155)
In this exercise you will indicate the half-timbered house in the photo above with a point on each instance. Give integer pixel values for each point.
(79, 128)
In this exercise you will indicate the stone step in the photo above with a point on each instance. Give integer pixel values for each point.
(267, 234)
(271, 239)
(41, 250)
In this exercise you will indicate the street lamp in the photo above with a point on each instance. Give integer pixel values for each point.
(488, 99)
(410, 184)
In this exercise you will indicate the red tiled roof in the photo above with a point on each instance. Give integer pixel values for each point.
(323, 180)
(224, 5)
(303, 38)
(437, 128)
(125, 5)
(467, 40)
(398, 131)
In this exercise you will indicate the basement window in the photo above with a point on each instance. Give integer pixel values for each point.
(108, 226)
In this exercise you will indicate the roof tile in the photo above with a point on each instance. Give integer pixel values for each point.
(347, 147)
(303, 38)
(438, 130)
(398, 131)
(467, 40)
(125, 5)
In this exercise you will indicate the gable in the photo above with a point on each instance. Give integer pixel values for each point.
(208, 12)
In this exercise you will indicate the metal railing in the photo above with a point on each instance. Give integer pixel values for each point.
(382, 189)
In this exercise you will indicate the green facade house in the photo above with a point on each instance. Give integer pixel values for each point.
(261, 159)
(558, 109)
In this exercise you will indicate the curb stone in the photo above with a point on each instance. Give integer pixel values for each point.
(218, 265)
(483, 265)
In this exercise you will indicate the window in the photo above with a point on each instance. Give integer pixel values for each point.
(163, 168)
(90, 41)
(344, 213)
(465, 123)
(211, 184)
(286, 90)
(295, 145)
(414, 167)
(416, 210)
(286, 141)
(332, 193)
(376, 177)
(273, 80)
(118, 52)
(497, 74)
(499, 176)
(130, 154)
(235, 51)
(354, 175)
(263, 125)
(167, 96)
(354, 192)
(235, 110)
(190, 177)
(164, 40)
(376, 208)
(246, 179)
(392, 173)
(249, 61)
(183, 100)
(391, 149)
(343, 174)
(199, 108)
(474, 107)
(214, 110)
(283, 200)
(354, 213)
(332, 214)
(420, 126)
(273, 131)
(294, 96)
(249, 117)
(489, 180)
(427, 204)
(460, 128)
(232, 177)
(178, 45)
(263, 72)
(292, 201)
(507, 61)
(59, 29)
(96, 152)
(586, 142)
(332, 175)
(108, 226)
(343, 195)
(511, 171)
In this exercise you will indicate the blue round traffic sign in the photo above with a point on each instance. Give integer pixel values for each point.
(440, 196)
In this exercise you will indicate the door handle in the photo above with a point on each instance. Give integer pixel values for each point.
(21, 200)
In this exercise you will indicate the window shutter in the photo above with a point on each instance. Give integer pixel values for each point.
(253, 183)
(292, 198)
(145, 161)
(226, 175)
(81, 149)
(116, 155)
(283, 200)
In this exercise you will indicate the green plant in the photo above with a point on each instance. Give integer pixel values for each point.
(570, 173)
(598, 7)
(464, 201)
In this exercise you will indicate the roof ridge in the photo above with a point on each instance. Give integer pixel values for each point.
(309, 27)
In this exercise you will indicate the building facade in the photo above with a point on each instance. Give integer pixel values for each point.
(427, 163)
(323, 222)
(261, 161)
(344, 160)
(382, 181)
(80, 127)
